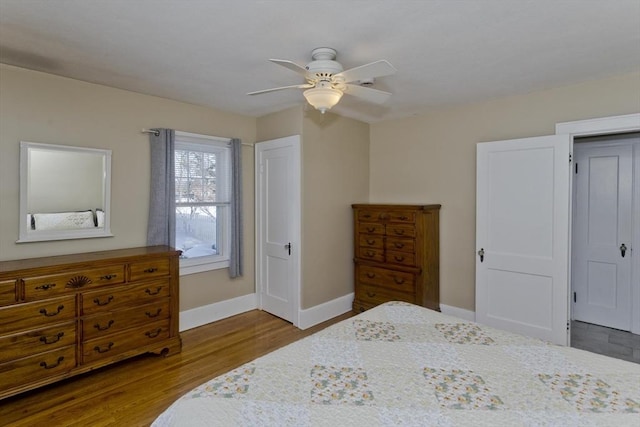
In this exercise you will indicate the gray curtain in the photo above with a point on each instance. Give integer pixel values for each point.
(161, 229)
(235, 258)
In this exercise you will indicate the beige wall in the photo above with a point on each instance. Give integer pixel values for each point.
(431, 158)
(41, 107)
(335, 174)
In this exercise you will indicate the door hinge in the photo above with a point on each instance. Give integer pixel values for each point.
(568, 325)
(570, 157)
(575, 297)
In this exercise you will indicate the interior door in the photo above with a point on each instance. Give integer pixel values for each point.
(522, 236)
(601, 265)
(278, 226)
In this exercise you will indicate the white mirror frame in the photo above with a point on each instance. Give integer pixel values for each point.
(26, 234)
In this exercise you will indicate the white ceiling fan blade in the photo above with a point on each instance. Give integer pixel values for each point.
(371, 95)
(293, 67)
(302, 86)
(367, 71)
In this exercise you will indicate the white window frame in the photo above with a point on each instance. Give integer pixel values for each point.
(198, 142)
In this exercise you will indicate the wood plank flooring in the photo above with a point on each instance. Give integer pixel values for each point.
(602, 340)
(136, 391)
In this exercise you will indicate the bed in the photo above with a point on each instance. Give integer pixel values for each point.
(400, 364)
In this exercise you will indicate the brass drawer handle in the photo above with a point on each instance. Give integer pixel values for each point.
(153, 334)
(46, 286)
(398, 232)
(149, 314)
(398, 258)
(370, 254)
(108, 276)
(103, 328)
(366, 216)
(44, 311)
(403, 218)
(54, 339)
(150, 292)
(399, 245)
(371, 275)
(103, 350)
(371, 229)
(371, 294)
(46, 366)
(370, 241)
(151, 270)
(97, 301)
(399, 281)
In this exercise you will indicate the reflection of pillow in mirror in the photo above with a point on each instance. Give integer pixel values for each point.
(64, 220)
(100, 217)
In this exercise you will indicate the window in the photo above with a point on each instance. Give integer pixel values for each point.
(203, 195)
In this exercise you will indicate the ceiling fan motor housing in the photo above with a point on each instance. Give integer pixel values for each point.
(324, 64)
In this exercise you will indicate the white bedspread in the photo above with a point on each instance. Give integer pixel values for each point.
(403, 365)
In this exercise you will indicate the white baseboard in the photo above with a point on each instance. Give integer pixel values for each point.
(458, 312)
(217, 311)
(323, 312)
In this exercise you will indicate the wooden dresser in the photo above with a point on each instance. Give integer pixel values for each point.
(64, 315)
(396, 255)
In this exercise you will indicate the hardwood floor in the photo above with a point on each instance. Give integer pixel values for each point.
(602, 340)
(136, 391)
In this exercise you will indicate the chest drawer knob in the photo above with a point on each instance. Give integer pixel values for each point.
(152, 315)
(53, 365)
(103, 328)
(53, 339)
(398, 280)
(399, 232)
(97, 301)
(398, 258)
(108, 276)
(153, 334)
(371, 275)
(371, 294)
(151, 270)
(370, 254)
(398, 245)
(103, 350)
(371, 229)
(46, 313)
(370, 241)
(46, 286)
(156, 292)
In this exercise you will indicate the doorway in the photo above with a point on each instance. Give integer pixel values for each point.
(278, 216)
(604, 185)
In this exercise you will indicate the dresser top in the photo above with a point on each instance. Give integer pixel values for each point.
(390, 206)
(83, 258)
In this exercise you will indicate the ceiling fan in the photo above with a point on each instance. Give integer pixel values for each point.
(326, 81)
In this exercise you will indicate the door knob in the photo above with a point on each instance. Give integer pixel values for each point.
(288, 247)
(623, 249)
(481, 253)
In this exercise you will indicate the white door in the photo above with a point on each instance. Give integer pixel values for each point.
(522, 236)
(601, 251)
(278, 226)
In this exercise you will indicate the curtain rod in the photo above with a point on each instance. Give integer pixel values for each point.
(157, 133)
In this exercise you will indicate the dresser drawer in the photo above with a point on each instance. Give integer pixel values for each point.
(109, 323)
(371, 215)
(367, 241)
(371, 254)
(8, 292)
(37, 341)
(376, 295)
(57, 284)
(396, 280)
(23, 371)
(130, 339)
(401, 244)
(158, 267)
(400, 230)
(34, 314)
(408, 217)
(370, 228)
(123, 296)
(401, 258)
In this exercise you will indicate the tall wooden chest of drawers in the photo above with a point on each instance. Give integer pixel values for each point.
(64, 315)
(396, 255)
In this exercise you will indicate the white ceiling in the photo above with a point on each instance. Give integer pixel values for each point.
(212, 52)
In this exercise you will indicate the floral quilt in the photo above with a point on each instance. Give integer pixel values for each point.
(403, 365)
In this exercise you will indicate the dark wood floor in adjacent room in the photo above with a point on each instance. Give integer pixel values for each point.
(136, 391)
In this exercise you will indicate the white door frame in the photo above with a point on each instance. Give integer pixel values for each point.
(296, 239)
(607, 126)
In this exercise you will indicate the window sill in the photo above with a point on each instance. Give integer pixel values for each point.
(192, 266)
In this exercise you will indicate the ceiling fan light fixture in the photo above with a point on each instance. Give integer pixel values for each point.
(322, 98)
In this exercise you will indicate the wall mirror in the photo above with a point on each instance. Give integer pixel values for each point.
(64, 192)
